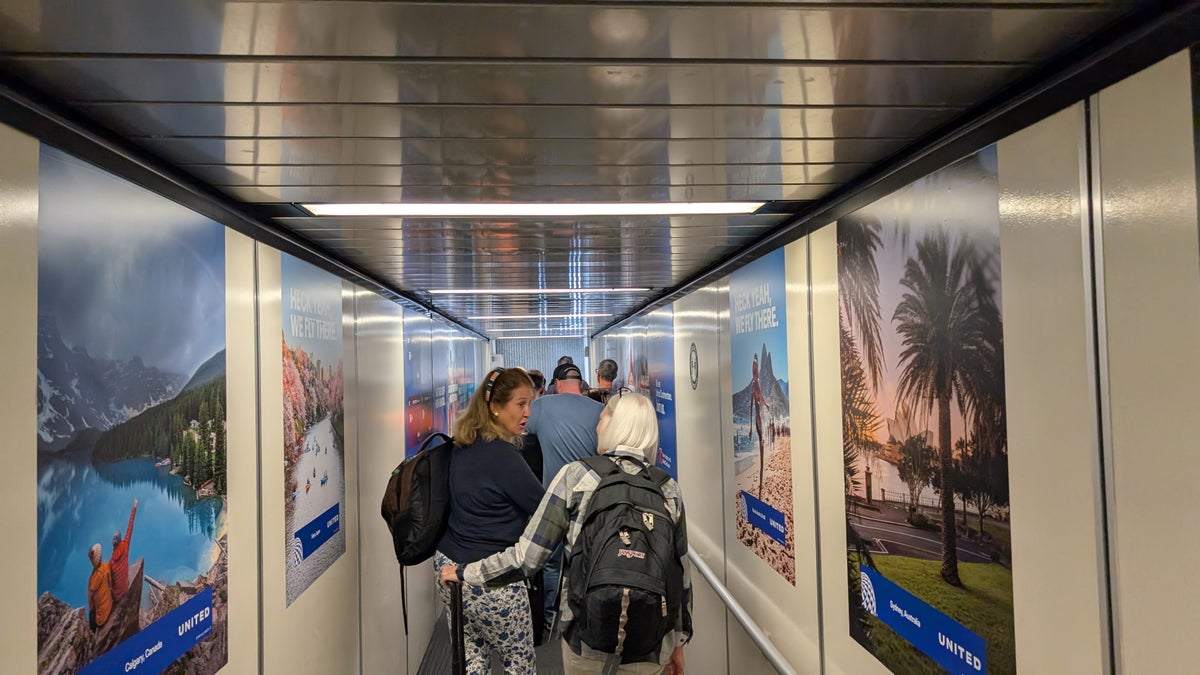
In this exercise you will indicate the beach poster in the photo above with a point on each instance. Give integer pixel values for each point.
(314, 423)
(924, 426)
(762, 436)
(660, 350)
(131, 437)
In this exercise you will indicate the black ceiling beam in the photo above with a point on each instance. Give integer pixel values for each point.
(1153, 32)
(31, 111)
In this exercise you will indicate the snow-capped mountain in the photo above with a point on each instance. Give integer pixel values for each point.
(76, 391)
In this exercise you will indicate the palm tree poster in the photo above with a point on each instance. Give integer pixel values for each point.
(923, 425)
(762, 436)
(314, 423)
(131, 467)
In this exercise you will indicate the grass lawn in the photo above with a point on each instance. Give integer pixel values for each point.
(1000, 534)
(984, 606)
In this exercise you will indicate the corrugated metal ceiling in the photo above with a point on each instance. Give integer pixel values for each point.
(327, 101)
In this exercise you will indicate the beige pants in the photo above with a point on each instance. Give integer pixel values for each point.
(574, 664)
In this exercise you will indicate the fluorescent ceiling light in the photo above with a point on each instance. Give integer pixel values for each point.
(527, 330)
(539, 337)
(536, 316)
(530, 291)
(535, 210)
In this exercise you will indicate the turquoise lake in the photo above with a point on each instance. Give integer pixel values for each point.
(80, 505)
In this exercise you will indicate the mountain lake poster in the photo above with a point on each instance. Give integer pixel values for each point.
(131, 549)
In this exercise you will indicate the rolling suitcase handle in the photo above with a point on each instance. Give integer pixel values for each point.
(458, 653)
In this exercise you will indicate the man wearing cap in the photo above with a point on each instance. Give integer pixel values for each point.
(565, 426)
(118, 563)
(562, 361)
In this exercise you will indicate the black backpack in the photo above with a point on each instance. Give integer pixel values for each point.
(625, 571)
(416, 505)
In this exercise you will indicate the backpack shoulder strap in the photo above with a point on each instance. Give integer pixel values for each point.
(434, 439)
(657, 475)
(601, 465)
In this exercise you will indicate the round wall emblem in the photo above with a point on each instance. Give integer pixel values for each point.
(694, 366)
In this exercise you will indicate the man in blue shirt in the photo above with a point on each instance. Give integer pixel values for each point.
(565, 426)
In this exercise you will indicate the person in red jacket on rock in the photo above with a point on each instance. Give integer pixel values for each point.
(119, 561)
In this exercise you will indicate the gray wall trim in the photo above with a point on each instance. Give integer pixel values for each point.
(812, 406)
(1093, 251)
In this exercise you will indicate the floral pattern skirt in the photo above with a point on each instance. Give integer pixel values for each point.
(494, 618)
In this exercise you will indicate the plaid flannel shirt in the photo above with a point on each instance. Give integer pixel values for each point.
(559, 513)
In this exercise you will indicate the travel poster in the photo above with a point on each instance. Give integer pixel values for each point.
(314, 423)
(660, 351)
(924, 425)
(418, 379)
(462, 377)
(762, 423)
(131, 471)
(441, 360)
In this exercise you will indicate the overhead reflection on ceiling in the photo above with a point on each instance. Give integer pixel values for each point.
(538, 101)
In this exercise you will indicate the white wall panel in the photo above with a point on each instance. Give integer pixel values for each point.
(380, 366)
(767, 597)
(18, 405)
(787, 614)
(319, 632)
(700, 461)
(1151, 299)
(242, 465)
(1053, 428)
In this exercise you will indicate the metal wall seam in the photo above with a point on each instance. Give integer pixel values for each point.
(812, 405)
(1092, 234)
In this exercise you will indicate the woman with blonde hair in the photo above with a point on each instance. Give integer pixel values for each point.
(492, 495)
(628, 435)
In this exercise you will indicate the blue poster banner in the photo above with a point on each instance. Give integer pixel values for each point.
(660, 349)
(946, 641)
(319, 530)
(762, 516)
(761, 424)
(158, 645)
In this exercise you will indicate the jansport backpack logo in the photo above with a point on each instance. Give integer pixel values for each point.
(625, 574)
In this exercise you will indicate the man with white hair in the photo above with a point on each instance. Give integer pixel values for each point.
(100, 599)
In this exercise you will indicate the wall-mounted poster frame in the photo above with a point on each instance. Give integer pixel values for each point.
(314, 433)
(131, 428)
(924, 427)
(762, 440)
